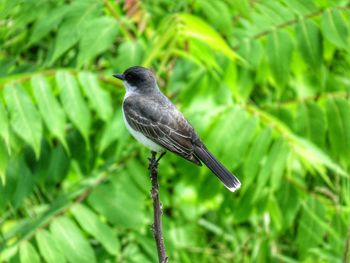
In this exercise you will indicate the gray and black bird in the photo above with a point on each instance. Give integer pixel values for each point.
(155, 122)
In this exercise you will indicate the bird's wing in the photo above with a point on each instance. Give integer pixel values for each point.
(159, 121)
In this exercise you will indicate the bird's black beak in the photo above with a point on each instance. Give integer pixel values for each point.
(119, 76)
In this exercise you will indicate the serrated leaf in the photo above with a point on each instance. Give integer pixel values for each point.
(99, 98)
(4, 128)
(25, 119)
(279, 49)
(50, 109)
(89, 221)
(73, 103)
(334, 28)
(71, 241)
(49, 249)
(47, 23)
(70, 31)
(28, 253)
(309, 42)
(106, 28)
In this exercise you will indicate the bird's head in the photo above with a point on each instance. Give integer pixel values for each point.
(137, 78)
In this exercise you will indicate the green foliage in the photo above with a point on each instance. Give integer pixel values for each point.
(265, 84)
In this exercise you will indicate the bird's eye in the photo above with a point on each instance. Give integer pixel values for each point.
(129, 76)
(132, 76)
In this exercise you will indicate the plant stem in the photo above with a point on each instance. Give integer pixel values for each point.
(157, 209)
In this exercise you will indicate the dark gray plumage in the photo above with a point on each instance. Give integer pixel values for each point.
(153, 120)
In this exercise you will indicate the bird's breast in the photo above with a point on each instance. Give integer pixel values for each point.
(142, 138)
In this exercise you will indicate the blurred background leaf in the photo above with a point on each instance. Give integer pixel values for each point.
(265, 84)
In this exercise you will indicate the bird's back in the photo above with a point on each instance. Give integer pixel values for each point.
(158, 119)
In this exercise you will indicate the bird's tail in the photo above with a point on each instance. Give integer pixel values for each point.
(228, 179)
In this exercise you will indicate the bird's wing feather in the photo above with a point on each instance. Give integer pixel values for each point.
(159, 121)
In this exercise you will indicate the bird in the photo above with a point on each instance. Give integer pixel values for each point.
(153, 120)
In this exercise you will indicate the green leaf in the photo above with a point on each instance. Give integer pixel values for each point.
(58, 166)
(344, 109)
(106, 28)
(70, 31)
(111, 200)
(311, 122)
(4, 128)
(318, 122)
(47, 23)
(300, 6)
(309, 42)
(309, 229)
(218, 14)
(244, 137)
(49, 248)
(71, 241)
(335, 128)
(288, 199)
(130, 53)
(99, 98)
(4, 156)
(19, 181)
(334, 28)
(279, 165)
(196, 28)
(89, 221)
(28, 253)
(315, 158)
(279, 49)
(273, 167)
(256, 153)
(25, 119)
(113, 131)
(275, 213)
(50, 109)
(24, 181)
(338, 111)
(73, 103)
(251, 51)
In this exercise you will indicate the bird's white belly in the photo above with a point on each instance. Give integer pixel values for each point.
(142, 138)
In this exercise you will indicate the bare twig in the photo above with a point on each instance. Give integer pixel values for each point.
(157, 208)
